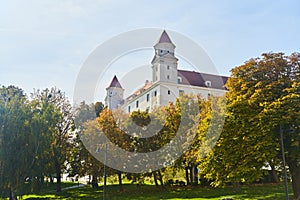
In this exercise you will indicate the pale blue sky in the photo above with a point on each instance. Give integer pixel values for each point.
(43, 43)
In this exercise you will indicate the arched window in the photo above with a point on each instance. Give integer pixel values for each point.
(179, 79)
(208, 83)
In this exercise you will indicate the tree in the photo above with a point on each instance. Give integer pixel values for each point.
(77, 157)
(60, 126)
(260, 98)
(93, 166)
(41, 164)
(15, 140)
(285, 114)
(111, 124)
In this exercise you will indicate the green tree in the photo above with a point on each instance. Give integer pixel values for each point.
(81, 160)
(42, 166)
(284, 114)
(262, 96)
(15, 140)
(60, 127)
(90, 134)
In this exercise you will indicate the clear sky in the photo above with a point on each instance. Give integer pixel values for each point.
(44, 43)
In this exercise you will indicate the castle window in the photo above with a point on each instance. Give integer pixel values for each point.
(181, 91)
(208, 95)
(168, 77)
(137, 104)
(179, 79)
(148, 97)
(168, 67)
(208, 83)
(128, 108)
(169, 92)
(155, 93)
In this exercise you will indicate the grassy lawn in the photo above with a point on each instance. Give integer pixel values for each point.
(147, 192)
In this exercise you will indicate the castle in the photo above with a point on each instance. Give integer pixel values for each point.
(168, 82)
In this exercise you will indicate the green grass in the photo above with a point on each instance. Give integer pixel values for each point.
(147, 192)
(45, 188)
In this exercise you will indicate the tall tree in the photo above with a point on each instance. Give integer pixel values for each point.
(41, 165)
(15, 140)
(60, 126)
(260, 98)
(82, 162)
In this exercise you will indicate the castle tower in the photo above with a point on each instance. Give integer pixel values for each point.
(164, 63)
(164, 71)
(114, 95)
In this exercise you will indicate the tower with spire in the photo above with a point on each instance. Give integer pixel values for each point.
(114, 94)
(164, 70)
(164, 63)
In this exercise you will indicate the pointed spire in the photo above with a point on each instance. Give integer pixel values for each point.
(115, 83)
(164, 38)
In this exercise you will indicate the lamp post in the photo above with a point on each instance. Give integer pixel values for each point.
(284, 167)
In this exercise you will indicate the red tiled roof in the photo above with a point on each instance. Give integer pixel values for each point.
(199, 79)
(164, 38)
(139, 91)
(115, 83)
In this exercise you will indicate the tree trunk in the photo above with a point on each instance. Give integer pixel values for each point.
(295, 173)
(32, 184)
(274, 174)
(195, 175)
(155, 178)
(95, 181)
(160, 178)
(187, 175)
(42, 183)
(13, 195)
(58, 176)
(51, 179)
(120, 180)
(191, 176)
(296, 184)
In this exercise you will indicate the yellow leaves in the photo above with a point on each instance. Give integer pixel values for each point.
(295, 143)
(262, 93)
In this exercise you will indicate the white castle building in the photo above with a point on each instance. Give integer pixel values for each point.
(168, 82)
